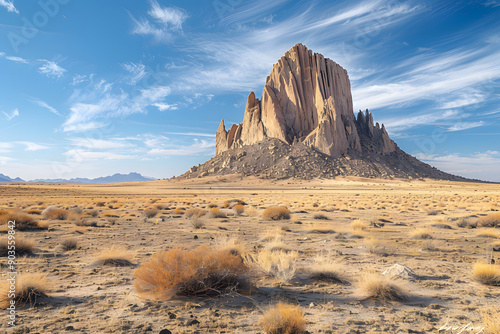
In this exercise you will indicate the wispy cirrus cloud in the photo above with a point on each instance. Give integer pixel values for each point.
(9, 5)
(162, 24)
(30, 146)
(51, 69)
(137, 72)
(45, 105)
(465, 126)
(17, 59)
(102, 101)
(12, 114)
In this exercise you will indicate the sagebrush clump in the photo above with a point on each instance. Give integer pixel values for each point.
(277, 213)
(284, 319)
(201, 272)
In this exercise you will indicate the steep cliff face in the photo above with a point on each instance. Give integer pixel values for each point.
(307, 98)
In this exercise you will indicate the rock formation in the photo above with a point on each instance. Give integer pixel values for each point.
(304, 127)
(307, 98)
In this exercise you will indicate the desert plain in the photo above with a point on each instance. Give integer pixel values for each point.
(88, 242)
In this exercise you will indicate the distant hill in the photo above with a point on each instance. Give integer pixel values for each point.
(5, 178)
(116, 178)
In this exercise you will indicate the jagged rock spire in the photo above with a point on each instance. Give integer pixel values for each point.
(307, 98)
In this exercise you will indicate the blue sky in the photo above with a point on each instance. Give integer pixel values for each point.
(91, 88)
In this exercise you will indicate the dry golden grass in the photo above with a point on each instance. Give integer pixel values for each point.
(28, 288)
(150, 213)
(69, 244)
(23, 246)
(280, 265)
(179, 211)
(375, 246)
(195, 212)
(378, 287)
(276, 213)
(488, 274)
(421, 233)
(22, 221)
(230, 244)
(325, 269)
(359, 225)
(201, 272)
(55, 213)
(239, 209)
(490, 220)
(283, 319)
(491, 320)
(34, 212)
(114, 257)
(217, 213)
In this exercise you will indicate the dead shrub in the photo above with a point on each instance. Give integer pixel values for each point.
(217, 213)
(491, 220)
(69, 244)
(487, 274)
(55, 213)
(195, 212)
(150, 213)
(22, 221)
(201, 272)
(239, 209)
(283, 319)
(278, 264)
(381, 288)
(276, 213)
(320, 216)
(198, 223)
(23, 246)
(29, 288)
(491, 321)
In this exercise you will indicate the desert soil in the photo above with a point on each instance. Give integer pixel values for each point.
(88, 297)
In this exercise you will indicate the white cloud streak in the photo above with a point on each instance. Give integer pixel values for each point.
(9, 5)
(51, 69)
(45, 105)
(12, 114)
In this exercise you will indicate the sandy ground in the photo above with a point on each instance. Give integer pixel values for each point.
(88, 297)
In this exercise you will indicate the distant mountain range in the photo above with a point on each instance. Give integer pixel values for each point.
(116, 178)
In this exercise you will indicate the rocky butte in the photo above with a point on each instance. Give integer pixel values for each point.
(304, 126)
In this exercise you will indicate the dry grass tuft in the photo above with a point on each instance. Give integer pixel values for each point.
(217, 213)
(491, 321)
(29, 288)
(198, 223)
(421, 233)
(23, 246)
(488, 274)
(23, 221)
(375, 246)
(283, 319)
(115, 257)
(278, 264)
(55, 213)
(34, 212)
(150, 213)
(200, 272)
(195, 212)
(179, 211)
(325, 269)
(69, 244)
(381, 288)
(277, 213)
(239, 209)
(490, 220)
(359, 225)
